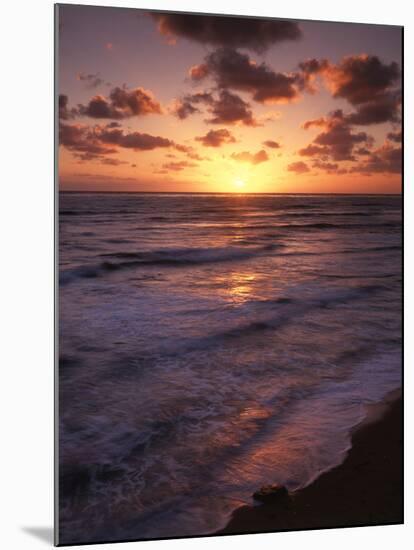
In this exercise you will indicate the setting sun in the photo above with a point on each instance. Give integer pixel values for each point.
(239, 183)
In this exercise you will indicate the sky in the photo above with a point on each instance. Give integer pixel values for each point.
(170, 102)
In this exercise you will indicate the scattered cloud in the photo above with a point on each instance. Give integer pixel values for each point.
(246, 156)
(231, 69)
(338, 139)
(63, 105)
(216, 138)
(178, 166)
(395, 136)
(229, 108)
(298, 167)
(90, 80)
(186, 106)
(82, 142)
(383, 108)
(272, 144)
(385, 159)
(309, 70)
(329, 167)
(122, 103)
(132, 140)
(361, 78)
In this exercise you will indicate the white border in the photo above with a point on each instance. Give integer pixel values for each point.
(26, 269)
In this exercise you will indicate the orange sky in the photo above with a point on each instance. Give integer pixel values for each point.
(245, 105)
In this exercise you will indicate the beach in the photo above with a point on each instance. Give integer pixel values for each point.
(366, 489)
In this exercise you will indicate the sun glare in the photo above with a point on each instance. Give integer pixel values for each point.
(239, 183)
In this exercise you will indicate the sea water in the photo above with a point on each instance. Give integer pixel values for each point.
(210, 344)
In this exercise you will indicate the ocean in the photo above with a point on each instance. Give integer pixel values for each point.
(211, 344)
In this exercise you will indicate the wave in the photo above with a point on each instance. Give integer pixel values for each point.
(281, 312)
(168, 257)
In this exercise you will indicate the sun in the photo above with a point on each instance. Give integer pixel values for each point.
(239, 183)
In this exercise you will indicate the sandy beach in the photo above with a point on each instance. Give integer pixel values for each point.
(366, 489)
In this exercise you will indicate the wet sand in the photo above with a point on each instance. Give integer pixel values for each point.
(366, 489)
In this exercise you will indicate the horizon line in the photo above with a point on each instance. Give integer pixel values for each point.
(218, 193)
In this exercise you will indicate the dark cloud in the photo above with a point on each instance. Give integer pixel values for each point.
(364, 81)
(312, 151)
(318, 122)
(386, 159)
(178, 166)
(90, 80)
(272, 144)
(64, 112)
(362, 151)
(236, 32)
(383, 108)
(186, 106)
(96, 143)
(234, 70)
(132, 140)
(189, 151)
(395, 136)
(309, 70)
(246, 156)
(113, 162)
(298, 167)
(122, 103)
(226, 108)
(338, 139)
(329, 167)
(78, 138)
(231, 109)
(361, 78)
(216, 138)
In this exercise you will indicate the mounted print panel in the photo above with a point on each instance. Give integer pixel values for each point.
(229, 274)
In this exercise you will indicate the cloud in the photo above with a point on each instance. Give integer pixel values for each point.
(272, 144)
(122, 103)
(64, 112)
(233, 70)
(386, 159)
(226, 108)
(189, 151)
(361, 78)
(90, 80)
(216, 138)
(298, 167)
(312, 151)
(235, 32)
(329, 167)
(78, 137)
(395, 136)
(113, 162)
(318, 122)
(383, 108)
(184, 107)
(245, 156)
(362, 151)
(309, 70)
(132, 140)
(231, 109)
(96, 143)
(178, 166)
(338, 139)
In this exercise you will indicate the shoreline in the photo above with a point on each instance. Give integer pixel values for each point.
(365, 489)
